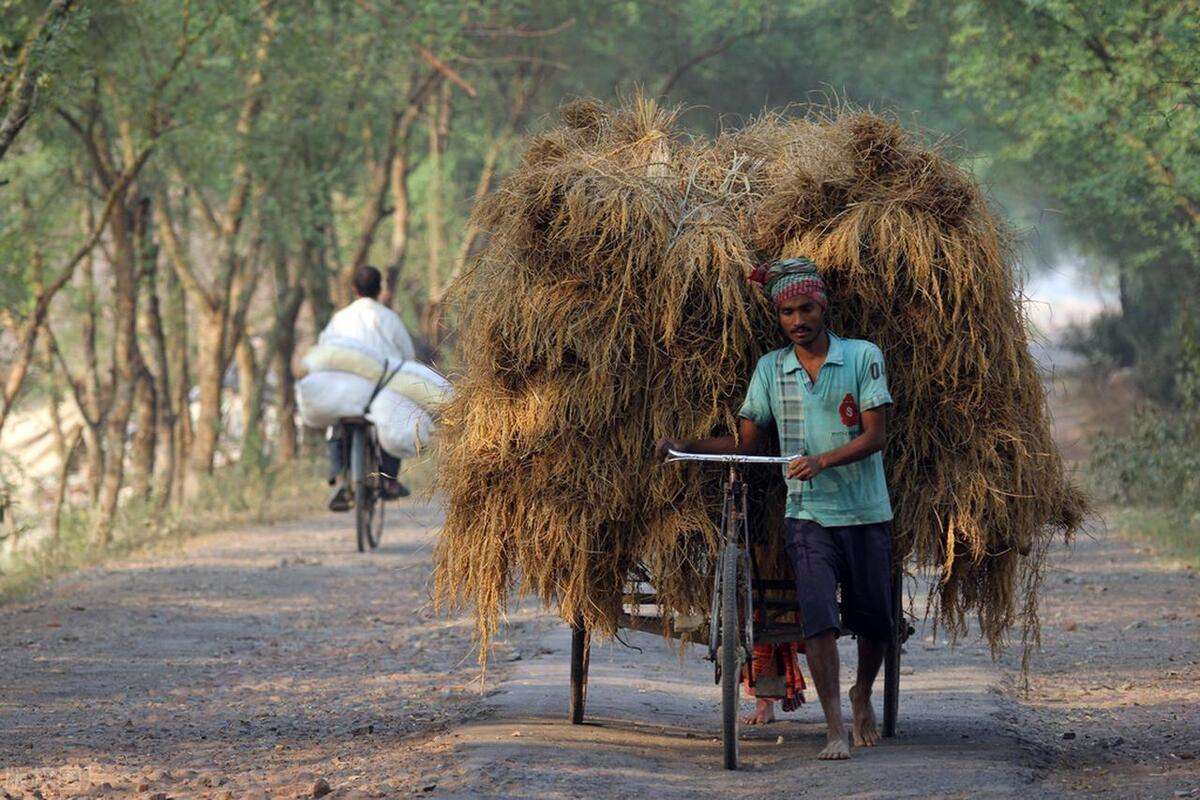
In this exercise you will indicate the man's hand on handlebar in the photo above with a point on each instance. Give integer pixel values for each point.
(663, 445)
(804, 468)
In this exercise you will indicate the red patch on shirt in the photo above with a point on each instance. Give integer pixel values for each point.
(848, 411)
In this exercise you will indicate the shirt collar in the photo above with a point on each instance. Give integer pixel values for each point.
(834, 356)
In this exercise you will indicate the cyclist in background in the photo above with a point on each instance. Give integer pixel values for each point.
(369, 326)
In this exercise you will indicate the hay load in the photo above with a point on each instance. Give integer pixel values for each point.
(611, 307)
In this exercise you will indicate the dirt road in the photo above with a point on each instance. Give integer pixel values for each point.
(242, 664)
(255, 663)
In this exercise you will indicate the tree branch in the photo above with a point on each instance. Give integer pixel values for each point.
(715, 50)
(18, 103)
(180, 262)
(447, 71)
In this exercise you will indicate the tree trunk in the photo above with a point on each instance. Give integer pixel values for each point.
(434, 221)
(316, 278)
(250, 399)
(400, 225)
(152, 333)
(64, 444)
(174, 329)
(151, 400)
(210, 371)
(144, 440)
(91, 357)
(61, 490)
(126, 369)
(285, 402)
(289, 296)
(216, 301)
(384, 178)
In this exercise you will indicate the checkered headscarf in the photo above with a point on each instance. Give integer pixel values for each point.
(790, 277)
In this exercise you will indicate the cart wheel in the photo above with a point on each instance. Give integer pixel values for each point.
(731, 648)
(891, 663)
(580, 653)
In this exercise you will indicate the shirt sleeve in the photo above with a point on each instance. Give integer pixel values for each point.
(398, 334)
(757, 405)
(872, 379)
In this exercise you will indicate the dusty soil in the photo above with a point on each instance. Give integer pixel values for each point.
(243, 664)
(1114, 696)
(254, 663)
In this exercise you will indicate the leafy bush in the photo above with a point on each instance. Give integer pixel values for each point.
(1156, 463)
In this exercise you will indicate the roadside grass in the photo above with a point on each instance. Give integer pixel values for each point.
(1172, 534)
(232, 496)
(237, 495)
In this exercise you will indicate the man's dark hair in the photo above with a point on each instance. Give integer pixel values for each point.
(367, 282)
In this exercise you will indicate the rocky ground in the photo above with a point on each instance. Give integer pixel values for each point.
(278, 662)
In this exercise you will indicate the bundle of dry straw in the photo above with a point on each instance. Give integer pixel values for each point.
(611, 307)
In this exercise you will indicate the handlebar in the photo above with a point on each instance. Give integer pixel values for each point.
(677, 455)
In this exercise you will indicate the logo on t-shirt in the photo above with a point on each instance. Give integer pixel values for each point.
(848, 411)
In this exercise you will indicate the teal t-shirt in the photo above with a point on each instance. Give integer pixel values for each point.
(814, 418)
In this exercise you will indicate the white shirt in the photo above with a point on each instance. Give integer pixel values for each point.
(370, 326)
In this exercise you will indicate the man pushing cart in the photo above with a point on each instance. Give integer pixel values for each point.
(828, 399)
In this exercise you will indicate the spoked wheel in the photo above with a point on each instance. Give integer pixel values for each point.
(731, 650)
(364, 491)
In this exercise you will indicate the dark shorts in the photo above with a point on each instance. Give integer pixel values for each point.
(856, 557)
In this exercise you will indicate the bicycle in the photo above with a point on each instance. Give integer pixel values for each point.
(361, 475)
(361, 472)
(732, 630)
(731, 614)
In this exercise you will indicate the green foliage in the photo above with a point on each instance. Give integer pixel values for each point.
(1156, 463)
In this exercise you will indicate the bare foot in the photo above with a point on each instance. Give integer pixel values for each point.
(866, 734)
(764, 713)
(837, 749)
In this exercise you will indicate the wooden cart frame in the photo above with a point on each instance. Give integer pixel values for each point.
(731, 631)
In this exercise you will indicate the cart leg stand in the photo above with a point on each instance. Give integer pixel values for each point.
(891, 662)
(580, 652)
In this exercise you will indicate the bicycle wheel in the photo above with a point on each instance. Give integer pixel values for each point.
(731, 649)
(374, 485)
(375, 529)
(364, 498)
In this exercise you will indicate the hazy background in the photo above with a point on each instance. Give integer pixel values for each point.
(185, 187)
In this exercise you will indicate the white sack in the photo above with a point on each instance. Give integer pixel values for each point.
(324, 397)
(419, 383)
(402, 426)
(423, 385)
